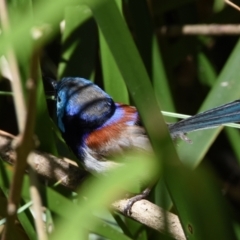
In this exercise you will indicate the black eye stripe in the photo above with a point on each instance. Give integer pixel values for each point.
(58, 99)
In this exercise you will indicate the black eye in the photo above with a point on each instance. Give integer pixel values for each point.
(58, 99)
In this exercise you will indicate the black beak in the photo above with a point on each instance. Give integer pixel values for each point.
(51, 81)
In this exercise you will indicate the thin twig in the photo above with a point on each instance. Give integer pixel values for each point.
(25, 124)
(34, 191)
(37, 204)
(200, 29)
(6, 93)
(24, 146)
(15, 81)
(70, 176)
(21, 152)
(232, 4)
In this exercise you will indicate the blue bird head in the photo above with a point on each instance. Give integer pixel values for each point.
(82, 103)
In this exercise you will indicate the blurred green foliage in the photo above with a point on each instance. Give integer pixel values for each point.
(118, 45)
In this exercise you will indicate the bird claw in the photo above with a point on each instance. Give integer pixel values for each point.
(184, 137)
(128, 208)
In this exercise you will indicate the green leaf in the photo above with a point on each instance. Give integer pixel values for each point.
(113, 81)
(218, 5)
(79, 43)
(206, 73)
(43, 127)
(91, 199)
(198, 197)
(112, 78)
(225, 89)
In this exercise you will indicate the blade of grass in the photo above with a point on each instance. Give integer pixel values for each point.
(147, 44)
(113, 81)
(225, 89)
(43, 127)
(112, 78)
(79, 42)
(6, 93)
(23, 217)
(206, 73)
(234, 139)
(208, 76)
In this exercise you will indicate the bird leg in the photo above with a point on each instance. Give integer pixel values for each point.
(132, 200)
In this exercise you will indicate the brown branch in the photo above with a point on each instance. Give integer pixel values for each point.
(154, 217)
(199, 29)
(49, 168)
(68, 174)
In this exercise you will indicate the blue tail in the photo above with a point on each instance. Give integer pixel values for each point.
(228, 113)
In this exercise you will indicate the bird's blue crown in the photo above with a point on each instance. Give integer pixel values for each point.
(80, 99)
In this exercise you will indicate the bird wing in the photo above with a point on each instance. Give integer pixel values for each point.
(119, 136)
